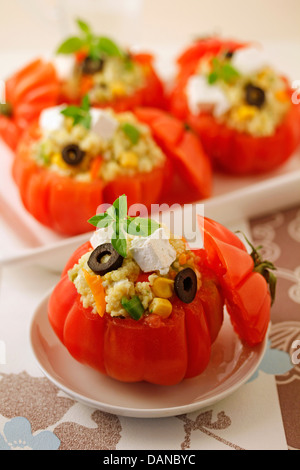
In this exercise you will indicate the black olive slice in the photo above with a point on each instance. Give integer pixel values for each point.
(72, 154)
(228, 54)
(114, 262)
(255, 96)
(90, 65)
(185, 285)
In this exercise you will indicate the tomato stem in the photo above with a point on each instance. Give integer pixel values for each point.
(263, 267)
(6, 109)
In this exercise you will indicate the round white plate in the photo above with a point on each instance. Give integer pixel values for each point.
(232, 364)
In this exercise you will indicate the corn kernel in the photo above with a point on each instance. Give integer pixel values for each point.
(57, 159)
(246, 112)
(117, 89)
(161, 307)
(128, 159)
(163, 287)
(262, 74)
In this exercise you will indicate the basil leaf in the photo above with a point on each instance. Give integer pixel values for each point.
(111, 211)
(131, 132)
(70, 111)
(222, 71)
(85, 104)
(80, 114)
(95, 52)
(83, 26)
(70, 45)
(229, 73)
(120, 205)
(85, 121)
(119, 244)
(101, 220)
(140, 226)
(106, 46)
(212, 78)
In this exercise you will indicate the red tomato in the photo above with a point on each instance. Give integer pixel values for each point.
(28, 92)
(155, 350)
(240, 153)
(231, 151)
(144, 188)
(65, 204)
(182, 146)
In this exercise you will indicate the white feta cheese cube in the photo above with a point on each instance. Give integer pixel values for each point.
(203, 96)
(153, 253)
(249, 60)
(64, 66)
(101, 236)
(51, 119)
(103, 123)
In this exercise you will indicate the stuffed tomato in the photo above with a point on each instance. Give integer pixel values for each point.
(148, 308)
(27, 92)
(110, 75)
(77, 157)
(239, 105)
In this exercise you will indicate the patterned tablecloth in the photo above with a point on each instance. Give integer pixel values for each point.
(264, 413)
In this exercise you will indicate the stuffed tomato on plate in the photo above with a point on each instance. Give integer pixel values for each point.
(137, 304)
(239, 104)
(78, 157)
(111, 75)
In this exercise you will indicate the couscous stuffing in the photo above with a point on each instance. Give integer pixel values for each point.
(127, 281)
(259, 116)
(105, 158)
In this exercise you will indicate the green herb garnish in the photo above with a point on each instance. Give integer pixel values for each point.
(117, 218)
(263, 267)
(222, 71)
(133, 306)
(131, 132)
(96, 46)
(80, 114)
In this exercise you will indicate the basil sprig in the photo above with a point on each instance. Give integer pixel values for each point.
(80, 114)
(117, 218)
(222, 71)
(96, 46)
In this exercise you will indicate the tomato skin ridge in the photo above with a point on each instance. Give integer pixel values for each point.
(29, 90)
